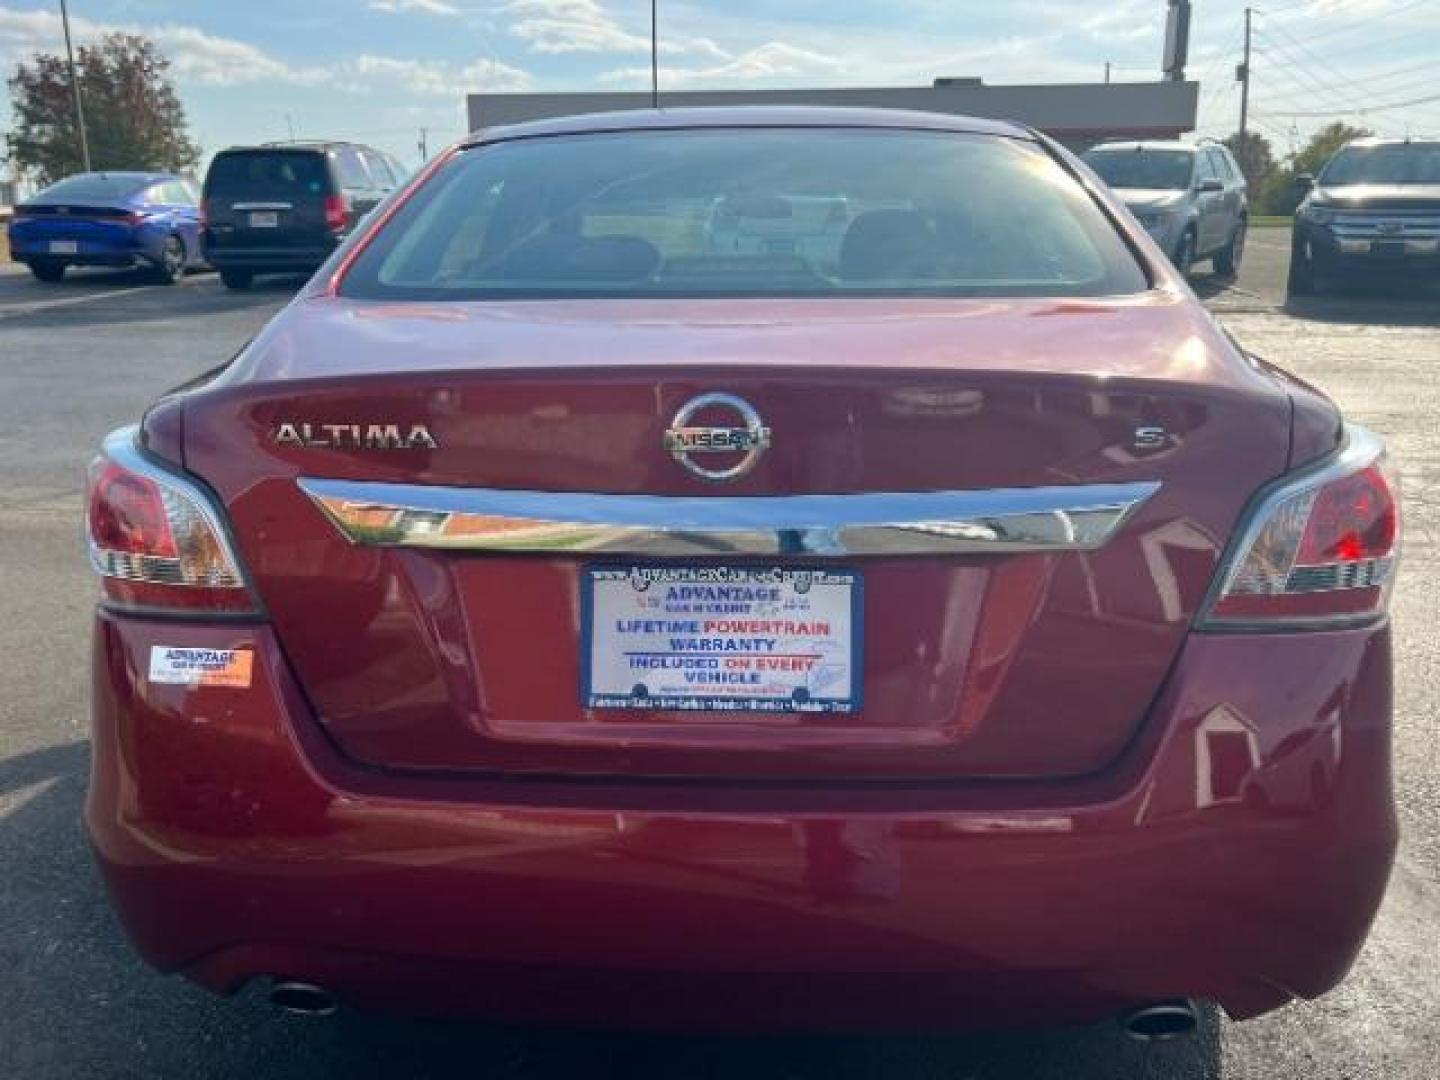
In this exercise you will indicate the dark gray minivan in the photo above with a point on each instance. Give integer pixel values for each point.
(284, 207)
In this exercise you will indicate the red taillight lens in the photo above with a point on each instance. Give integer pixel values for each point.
(155, 541)
(127, 513)
(1353, 518)
(337, 213)
(1320, 550)
(204, 213)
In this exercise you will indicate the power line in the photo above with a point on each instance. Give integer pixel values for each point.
(1390, 106)
(1324, 62)
(1371, 46)
(1336, 98)
(1406, 87)
(1300, 76)
(1370, 20)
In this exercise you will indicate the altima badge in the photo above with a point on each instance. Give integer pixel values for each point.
(355, 436)
(751, 440)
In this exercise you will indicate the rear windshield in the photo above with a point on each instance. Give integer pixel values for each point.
(268, 173)
(93, 186)
(1158, 170)
(1396, 163)
(749, 212)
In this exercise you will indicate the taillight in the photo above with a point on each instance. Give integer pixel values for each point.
(204, 213)
(337, 213)
(155, 539)
(1317, 550)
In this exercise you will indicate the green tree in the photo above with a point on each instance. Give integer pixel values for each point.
(1255, 157)
(1279, 194)
(133, 116)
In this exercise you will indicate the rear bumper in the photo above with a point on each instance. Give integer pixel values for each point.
(27, 249)
(267, 259)
(1237, 854)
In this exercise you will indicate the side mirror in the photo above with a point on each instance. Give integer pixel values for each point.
(1209, 187)
(1304, 182)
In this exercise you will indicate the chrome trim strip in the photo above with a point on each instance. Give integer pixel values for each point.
(243, 206)
(1080, 518)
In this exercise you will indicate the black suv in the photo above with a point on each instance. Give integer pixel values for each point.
(1374, 207)
(284, 207)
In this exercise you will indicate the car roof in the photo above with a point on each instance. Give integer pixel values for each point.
(1376, 140)
(757, 116)
(124, 174)
(1147, 144)
(316, 145)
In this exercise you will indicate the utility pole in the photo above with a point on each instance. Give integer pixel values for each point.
(75, 88)
(424, 145)
(1107, 72)
(1242, 73)
(654, 54)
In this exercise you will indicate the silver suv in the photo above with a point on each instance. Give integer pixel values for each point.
(1191, 199)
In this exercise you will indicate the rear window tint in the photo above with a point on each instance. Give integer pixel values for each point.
(379, 169)
(268, 173)
(93, 186)
(749, 212)
(352, 168)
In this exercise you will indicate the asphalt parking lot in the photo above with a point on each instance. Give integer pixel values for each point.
(80, 358)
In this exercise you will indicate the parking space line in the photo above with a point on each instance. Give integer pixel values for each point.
(69, 301)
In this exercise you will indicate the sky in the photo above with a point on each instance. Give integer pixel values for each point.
(378, 71)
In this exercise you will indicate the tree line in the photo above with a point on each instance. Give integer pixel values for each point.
(1272, 180)
(134, 119)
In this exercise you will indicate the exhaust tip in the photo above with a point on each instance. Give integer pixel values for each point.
(1162, 1021)
(301, 999)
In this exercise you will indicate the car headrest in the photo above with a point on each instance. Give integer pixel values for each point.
(582, 258)
(882, 244)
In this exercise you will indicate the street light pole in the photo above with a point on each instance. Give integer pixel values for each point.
(75, 88)
(654, 54)
(1243, 74)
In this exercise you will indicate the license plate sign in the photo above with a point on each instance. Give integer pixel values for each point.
(265, 219)
(721, 639)
(64, 247)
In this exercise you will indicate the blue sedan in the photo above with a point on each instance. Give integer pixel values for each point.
(150, 220)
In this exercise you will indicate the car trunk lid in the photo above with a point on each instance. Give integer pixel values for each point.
(974, 662)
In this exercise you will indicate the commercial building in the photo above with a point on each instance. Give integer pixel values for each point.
(1077, 114)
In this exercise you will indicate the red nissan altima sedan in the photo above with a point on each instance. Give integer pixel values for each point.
(747, 569)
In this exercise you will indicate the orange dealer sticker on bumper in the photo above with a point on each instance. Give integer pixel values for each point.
(176, 666)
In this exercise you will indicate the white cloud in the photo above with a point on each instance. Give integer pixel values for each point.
(583, 26)
(773, 60)
(434, 78)
(426, 7)
(195, 56)
(207, 60)
(201, 59)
